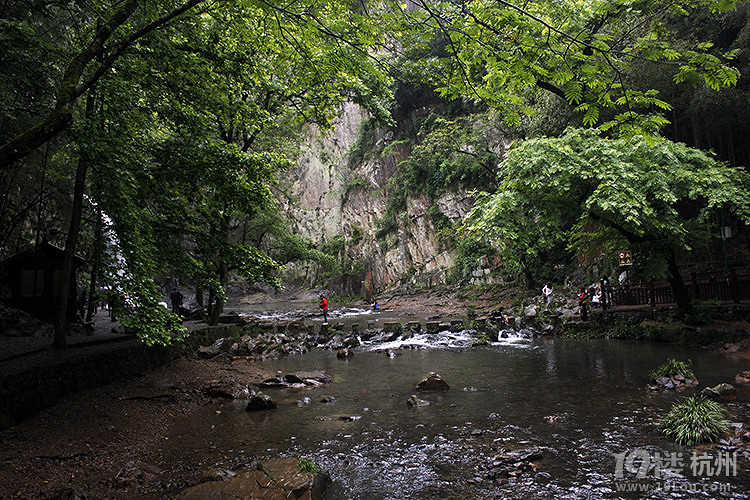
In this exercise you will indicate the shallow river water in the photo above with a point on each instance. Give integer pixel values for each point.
(581, 402)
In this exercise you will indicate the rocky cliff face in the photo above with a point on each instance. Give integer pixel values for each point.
(331, 198)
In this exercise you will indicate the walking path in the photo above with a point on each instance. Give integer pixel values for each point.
(19, 353)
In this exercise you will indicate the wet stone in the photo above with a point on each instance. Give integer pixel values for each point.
(416, 402)
(345, 353)
(259, 402)
(432, 327)
(392, 327)
(414, 326)
(433, 382)
(280, 478)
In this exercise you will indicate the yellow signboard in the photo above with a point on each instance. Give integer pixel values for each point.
(626, 258)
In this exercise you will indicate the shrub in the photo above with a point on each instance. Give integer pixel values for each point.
(701, 312)
(673, 367)
(694, 420)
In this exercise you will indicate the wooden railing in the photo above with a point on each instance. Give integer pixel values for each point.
(733, 287)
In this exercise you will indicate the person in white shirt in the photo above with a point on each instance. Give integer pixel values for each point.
(547, 291)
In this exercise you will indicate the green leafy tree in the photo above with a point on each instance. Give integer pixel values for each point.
(501, 53)
(587, 191)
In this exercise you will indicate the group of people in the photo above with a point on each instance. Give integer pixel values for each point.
(104, 298)
(586, 298)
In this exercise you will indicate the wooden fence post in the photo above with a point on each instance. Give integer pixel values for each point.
(694, 285)
(733, 292)
(651, 294)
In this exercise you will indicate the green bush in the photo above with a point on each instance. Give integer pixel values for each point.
(673, 367)
(694, 420)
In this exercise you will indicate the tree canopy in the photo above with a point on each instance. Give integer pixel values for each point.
(593, 194)
(499, 53)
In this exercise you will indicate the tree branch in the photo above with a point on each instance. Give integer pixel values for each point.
(73, 85)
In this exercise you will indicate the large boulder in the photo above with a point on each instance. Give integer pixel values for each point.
(433, 382)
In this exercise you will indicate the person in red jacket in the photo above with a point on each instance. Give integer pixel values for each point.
(324, 306)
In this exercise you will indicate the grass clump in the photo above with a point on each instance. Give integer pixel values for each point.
(672, 367)
(307, 466)
(694, 420)
(480, 339)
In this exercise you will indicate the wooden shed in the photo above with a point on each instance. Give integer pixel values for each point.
(32, 278)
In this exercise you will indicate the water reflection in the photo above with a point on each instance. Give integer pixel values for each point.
(582, 402)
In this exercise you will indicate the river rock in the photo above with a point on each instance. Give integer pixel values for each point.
(432, 327)
(433, 382)
(298, 379)
(720, 393)
(384, 336)
(676, 381)
(345, 353)
(260, 401)
(456, 325)
(280, 478)
(515, 463)
(743, 377)
(416, 402)
(315, 377)
(351, 341)
(392, 327)
(228, 389)
(219, 346)
(231, 318)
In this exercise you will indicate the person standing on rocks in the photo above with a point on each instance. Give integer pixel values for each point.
(583, 300)
(547, 292)
(176, 298)
(324, 306)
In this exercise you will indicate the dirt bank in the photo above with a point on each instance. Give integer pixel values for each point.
(87, 442)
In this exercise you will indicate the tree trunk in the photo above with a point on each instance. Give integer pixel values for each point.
(222, 269)
(217, 308)
(199, 295)
(679, 289)
(527, 276)
(66, 276)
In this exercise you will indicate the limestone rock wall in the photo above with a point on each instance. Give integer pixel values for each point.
(330, 198)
